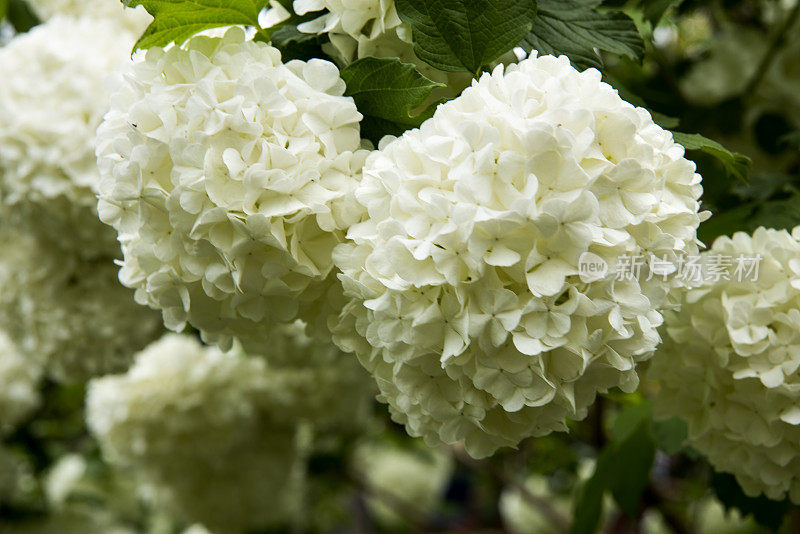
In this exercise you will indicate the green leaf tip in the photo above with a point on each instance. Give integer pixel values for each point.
(387, 92)
(177, 20)
(466, 35)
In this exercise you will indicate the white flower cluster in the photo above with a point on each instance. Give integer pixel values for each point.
(729, 366)
(354, 18)
(71, 316)
(19, 385)
(229, 176)
(49, 111)
(192, 420)
(466, 301)
(413, 477)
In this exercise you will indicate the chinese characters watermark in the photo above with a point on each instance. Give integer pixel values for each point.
(694, 270)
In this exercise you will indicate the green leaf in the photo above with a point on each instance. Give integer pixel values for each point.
(19, 14)
(778, 214)
(588, 506)
(623, 468)
(387, 91)
(629, 419)
(294, 44)
(635, 449)
(736, 165)
(669, 434)
(177, 20)
(575, 28)
(765, 511)
(466, 34)
(654, 9)
(634, 459)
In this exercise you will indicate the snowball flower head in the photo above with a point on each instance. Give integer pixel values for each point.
(229, 176)
(178, 395)
(19, 385)
(466, 302)
(49, 110)
(70, 316)
(729, 363)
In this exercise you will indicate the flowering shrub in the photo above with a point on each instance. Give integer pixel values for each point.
(486, 214)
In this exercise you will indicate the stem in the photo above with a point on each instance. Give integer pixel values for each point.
(778, 40)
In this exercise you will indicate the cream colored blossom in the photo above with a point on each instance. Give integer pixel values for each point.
(19, 384)
(51, 102)
(415, 476)
(228, 176)
(372, 28)
(114, 11)
(520, 516)
(69, 315)
(466, 303)
(356, 18)
(729, 363)
(193, 422)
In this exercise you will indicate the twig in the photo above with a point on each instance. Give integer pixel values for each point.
(777, 41)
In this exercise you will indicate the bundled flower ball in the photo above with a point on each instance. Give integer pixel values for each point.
(70, 316)
(49, 111)
(229, 178)
(730, 359)
(466, 302)
(19, 384)
(193, 421)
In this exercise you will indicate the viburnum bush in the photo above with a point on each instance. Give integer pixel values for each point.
(251, 251)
